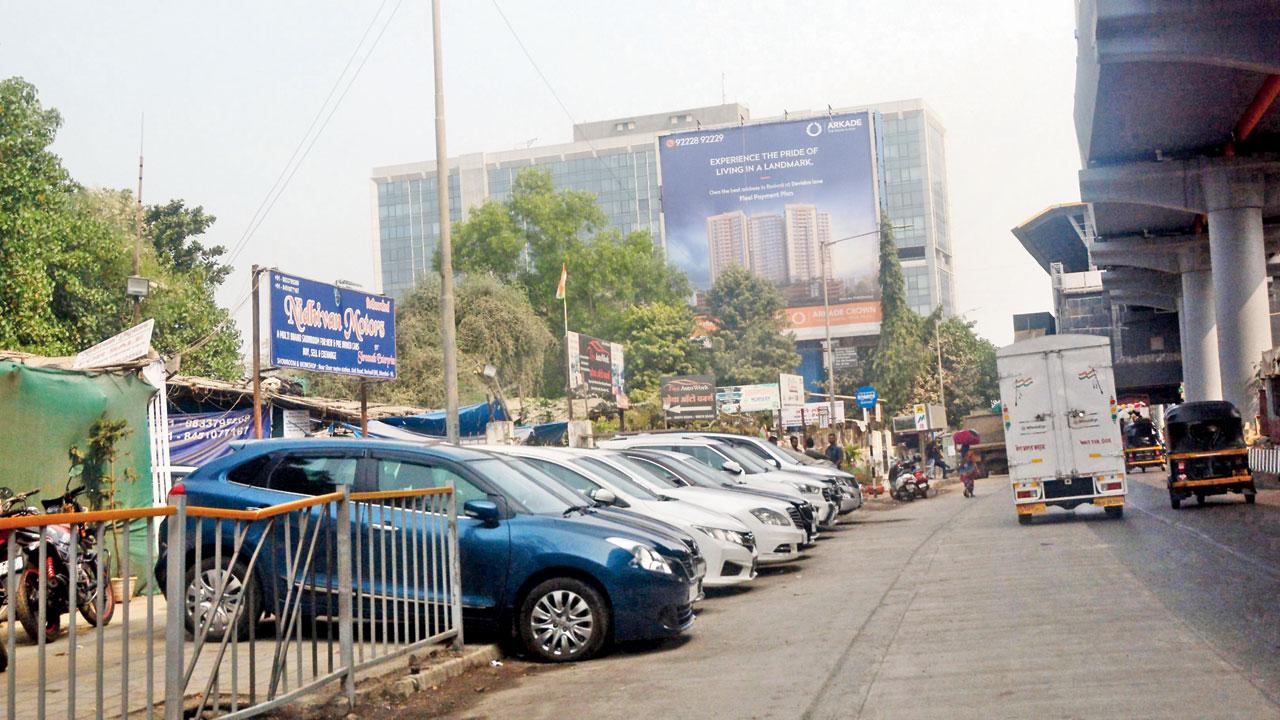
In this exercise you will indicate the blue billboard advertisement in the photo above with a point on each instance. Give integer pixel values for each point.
(772, 198)
(325, 328)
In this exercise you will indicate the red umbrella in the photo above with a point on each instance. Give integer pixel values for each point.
(966, 437)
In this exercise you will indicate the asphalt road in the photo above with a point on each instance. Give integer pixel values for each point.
(948, 608)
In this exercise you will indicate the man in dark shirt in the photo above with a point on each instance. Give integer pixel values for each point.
(834, 452)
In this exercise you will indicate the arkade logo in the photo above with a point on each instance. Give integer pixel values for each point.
(813, 129)
(838, 124)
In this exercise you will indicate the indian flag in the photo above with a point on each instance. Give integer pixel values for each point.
(1089, 374)
(564, 276)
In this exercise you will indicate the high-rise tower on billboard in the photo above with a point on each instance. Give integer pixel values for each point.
(775, 198)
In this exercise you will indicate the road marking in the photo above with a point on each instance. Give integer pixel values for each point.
(1258, 564)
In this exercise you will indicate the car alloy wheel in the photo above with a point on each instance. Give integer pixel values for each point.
(202, 594)
(562, 623)
(563, 620)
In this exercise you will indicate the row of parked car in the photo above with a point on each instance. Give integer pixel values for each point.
(562, 550)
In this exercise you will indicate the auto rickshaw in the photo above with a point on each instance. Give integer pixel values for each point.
(1142, 446)
(1207, 454)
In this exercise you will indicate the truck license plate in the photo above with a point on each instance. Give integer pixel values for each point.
(1109, 501)
(1031, 508)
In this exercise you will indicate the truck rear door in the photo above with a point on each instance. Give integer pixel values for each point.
(1090, 413)
(1029, 417)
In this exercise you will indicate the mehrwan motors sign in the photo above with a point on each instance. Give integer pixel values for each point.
(325, 328)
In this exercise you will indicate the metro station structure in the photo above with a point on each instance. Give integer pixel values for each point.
(1180, 147)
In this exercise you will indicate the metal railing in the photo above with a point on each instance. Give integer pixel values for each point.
(1264, 460)
(258, 609)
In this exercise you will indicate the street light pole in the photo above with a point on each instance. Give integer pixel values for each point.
(823, 249)
(942, 397)
(448, 330)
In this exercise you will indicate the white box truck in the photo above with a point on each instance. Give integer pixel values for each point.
(1062, 426)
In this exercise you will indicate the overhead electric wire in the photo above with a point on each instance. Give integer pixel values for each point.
(295, 160)
(529, 56)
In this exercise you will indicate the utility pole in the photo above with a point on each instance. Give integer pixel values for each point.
(137, 227)
(448, 330)
(255, 271)
(823, 249)
(942, 397)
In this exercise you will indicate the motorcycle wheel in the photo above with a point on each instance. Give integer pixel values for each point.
(27, 607)
(89, 608)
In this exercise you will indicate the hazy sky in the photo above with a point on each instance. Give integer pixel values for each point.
(229, 89)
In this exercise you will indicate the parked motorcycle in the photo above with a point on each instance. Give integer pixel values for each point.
(58, 575)
(10, 505)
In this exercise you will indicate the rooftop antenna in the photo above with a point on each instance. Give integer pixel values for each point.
(828, 110)
(740, 120)
(785, 114)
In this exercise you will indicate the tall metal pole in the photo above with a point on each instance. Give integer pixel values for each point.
(448, 331)
(568, 359)
(137, 227)
(255, 271)
(942, 397)
(831, 356)
(364, 408)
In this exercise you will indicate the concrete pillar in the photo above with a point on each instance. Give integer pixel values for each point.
(1200, 375)
(1238, 258)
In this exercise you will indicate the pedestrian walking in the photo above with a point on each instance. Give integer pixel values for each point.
(834, 452)
(935, 456)
(968, 469)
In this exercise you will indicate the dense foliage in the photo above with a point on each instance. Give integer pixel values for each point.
(66, 251)
(748, 345)
(659, 342)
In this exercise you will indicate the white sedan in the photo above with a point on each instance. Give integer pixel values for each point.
(727, 545)
(778, 539)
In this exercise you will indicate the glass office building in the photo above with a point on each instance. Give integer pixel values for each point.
(616, 160)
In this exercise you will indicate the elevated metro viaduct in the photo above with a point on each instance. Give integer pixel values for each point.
(1180, 147)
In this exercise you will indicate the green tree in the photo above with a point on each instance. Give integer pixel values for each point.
(968, 369)
(489, 242)
(66, 252)
(901, 353)
(748, 344)
(659, 342)
(496, 325)
(174, 229)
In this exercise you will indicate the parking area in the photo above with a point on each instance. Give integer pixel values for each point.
(948, 608)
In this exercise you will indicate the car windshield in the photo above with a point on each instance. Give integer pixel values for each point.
(697, 472)
(747, 459)
(519, 487)
(543, 479)
(616, 478)
(799, 457)
(643, 471)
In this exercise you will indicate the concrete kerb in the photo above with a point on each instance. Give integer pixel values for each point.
(419, 671)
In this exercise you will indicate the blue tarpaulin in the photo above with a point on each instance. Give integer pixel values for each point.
(547, 434)
(471, 420)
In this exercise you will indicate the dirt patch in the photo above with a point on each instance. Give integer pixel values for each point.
(453, 698)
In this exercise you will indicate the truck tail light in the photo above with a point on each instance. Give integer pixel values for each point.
(1026, 494)
(1111, 486)
(1182, 465)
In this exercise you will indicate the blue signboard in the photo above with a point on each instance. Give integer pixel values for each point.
(867, 397)
(774, 198)
(324, 328)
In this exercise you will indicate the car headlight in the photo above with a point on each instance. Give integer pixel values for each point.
(723, 534)
(769, 517)
(812, 489)
(643, 556)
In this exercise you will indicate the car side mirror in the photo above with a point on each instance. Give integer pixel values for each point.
(486, 511)
(604, 496)
(776, 462)
(732, 466)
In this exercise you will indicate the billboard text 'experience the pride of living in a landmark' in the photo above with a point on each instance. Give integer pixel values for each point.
(771, 197)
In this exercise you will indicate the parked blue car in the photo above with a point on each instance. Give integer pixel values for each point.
(562, 579)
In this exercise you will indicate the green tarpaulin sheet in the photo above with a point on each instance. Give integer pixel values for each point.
(44, 412)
